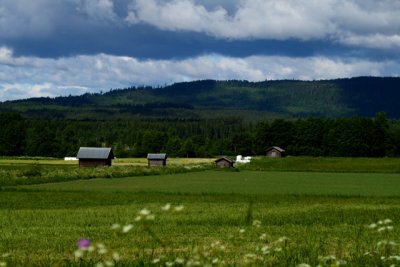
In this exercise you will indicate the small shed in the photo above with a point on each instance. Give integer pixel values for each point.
(275, 152)
(224, 162)
(95, 156)
(156, 159)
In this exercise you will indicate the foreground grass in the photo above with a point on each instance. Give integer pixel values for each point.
(255, 218)
(41, 228)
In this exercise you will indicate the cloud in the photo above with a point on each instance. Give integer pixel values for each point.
(24, 77)
(101, 10)
(274, 19)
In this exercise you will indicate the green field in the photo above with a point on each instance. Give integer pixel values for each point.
(246, 217)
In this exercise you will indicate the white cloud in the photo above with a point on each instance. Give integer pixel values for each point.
(24, 77)
(102, 10)
(274, 19)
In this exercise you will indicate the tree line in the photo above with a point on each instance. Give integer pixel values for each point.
(353, 137)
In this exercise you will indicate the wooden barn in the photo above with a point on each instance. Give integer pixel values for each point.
(95, 156)
(224, 162)
(156, 159)
(275, 152)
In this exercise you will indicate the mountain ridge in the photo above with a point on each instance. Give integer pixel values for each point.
(346, 97)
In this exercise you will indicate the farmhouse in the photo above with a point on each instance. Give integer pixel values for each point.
(156, 159)
(224, 162)
(95, 156)
(275, 152)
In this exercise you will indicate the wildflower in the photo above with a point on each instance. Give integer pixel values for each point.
(144, 212)
(5, 255)
(156, 260)
(3, 264)
(82, 243)
(303, 265)
(116, 256)
(278, 249)
(372, 226)
(256, 223)
(90, 248)
(102, 251)
(138, 218)
(109, 263)
(179, 208)
(115, 226)
(78, 254)
(242, 231)
(127, 228)
(150, 217)
(99, 264)
(387, 221)
(265, 250)
(263, 236)
(169, 263)
(283, 239)
(179, 260)
(166, 207)
(215, 261)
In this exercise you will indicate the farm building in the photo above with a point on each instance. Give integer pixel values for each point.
(224, 162)
(275, 152)
(156, 159)
(95, 156)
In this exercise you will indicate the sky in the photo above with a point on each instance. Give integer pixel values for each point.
(70, 47)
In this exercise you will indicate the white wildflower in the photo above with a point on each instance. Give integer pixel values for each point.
(256, 223)
(3, 264)
(215, 261)
(127, 228)
(303, 265)
(150, 217)
(242, 231)
(166, 207)
(263, 237)
(169, 263)
(381, 229)
(102, 251)
(372, 226)
(100, 245)
(380, 222)
(278, 249)
(138, 218)
(116, 256)
(109, 263)
(5, 255)
(99, 264)
(179, 260)
(265, 250)
(78, 253)
(90, 248)
(115, 226)
(389, 228)
(156, 260)
(179, 208)
(283, 239)
(387, 221)
(144, 212)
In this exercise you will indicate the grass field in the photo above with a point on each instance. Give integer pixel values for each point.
(246, 217)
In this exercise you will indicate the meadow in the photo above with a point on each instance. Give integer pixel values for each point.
(205, 217)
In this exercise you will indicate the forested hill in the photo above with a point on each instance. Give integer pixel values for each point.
(361, 96)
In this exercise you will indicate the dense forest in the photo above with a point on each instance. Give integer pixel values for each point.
(209, 99)
(354, 136)
(343, 117)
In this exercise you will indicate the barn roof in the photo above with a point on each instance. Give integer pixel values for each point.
(276, 148)
(226, 159)
(95, 153)
(157, 156)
